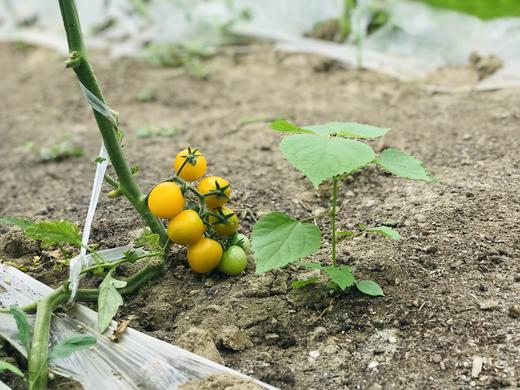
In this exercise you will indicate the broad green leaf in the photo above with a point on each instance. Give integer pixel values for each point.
(321, 158)
(55, 232)
(370, 287)
(386, 231)
(348, 129)
(9, 367)
(148, 240)
(403, 165)
(109, 300)
(22, 223)
(278, 240)
(341, 275)
(303, 283)
(24, 329)
(70, 345)
(287, 127)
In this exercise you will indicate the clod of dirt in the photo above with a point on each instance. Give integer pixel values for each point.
(514, 311)
(485, 66)
(279, 376)
(453, 76)
(488, 305)
(220, 382)
(319, 333)
(267, 285)
(200, 341)
(310, 297)
(233, 338)
(328, 30)
(15, 245)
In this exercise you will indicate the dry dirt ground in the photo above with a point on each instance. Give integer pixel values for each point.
(452, 283)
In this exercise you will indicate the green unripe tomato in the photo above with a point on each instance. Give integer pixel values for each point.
(233, 261)
(242, 241)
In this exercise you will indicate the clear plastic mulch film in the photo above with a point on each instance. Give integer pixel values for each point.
(137, 361)
(416, 40)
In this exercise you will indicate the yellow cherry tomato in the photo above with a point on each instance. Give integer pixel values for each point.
(166, 200)
(186, 228)
(204, 255)
(214, 183)
(193, 169)
(222, 228)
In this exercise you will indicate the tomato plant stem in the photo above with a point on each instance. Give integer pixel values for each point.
(78, 60)
(333, 218)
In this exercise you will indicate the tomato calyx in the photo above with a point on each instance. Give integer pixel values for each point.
(221, 217)
(190, 158)
(219, 191)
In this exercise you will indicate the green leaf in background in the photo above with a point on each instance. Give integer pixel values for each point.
(386, 231)
(9, 367)
(305, 282)
(348, 129)
(341, 275)
(287, 127)
(278, 240)
(24, 329)
(22, 223)
(484, 9)
(157, 131)
(109, 300)
(403, 165)
(70, 345)
(55, 232)
(369, 287)
(321, 158)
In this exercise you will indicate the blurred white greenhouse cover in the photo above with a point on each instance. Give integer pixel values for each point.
(417, 39)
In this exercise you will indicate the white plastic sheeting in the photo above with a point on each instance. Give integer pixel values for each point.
(417, 39)
(137, 361)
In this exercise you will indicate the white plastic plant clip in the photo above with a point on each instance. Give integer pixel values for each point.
(82, 260)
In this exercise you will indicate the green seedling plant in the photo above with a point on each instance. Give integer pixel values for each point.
(58, 151)
(150, 131)
(327, 152)
(61, 350)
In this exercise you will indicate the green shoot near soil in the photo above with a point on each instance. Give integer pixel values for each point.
(61, 350)
(327, 152)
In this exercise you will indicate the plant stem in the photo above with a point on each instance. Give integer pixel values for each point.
(151, 271)
(38, 355)
(78, 60)
(114, 264)
(333, 218)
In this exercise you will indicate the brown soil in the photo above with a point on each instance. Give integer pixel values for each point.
(452, 283)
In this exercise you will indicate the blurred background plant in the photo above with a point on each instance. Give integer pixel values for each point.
(408, 39)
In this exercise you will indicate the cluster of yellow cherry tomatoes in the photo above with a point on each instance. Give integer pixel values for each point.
(208, 229)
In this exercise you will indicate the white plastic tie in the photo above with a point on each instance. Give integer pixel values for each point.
(84, 260)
